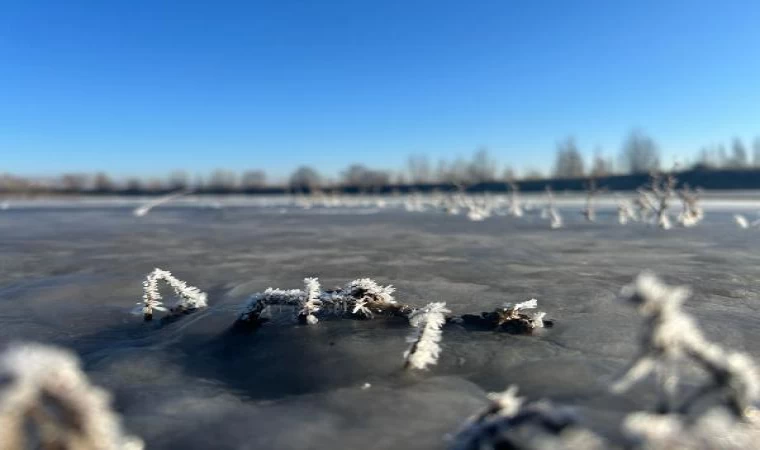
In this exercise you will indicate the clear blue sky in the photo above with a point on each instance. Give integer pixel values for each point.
(144, 87)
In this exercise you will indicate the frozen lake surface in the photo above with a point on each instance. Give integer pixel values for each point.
(70, 276)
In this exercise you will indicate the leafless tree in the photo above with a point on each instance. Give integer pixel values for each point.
(253, 179)
(569, 162)
(419, 169)
(102, 183)
(640, 153)
(363, 177)
(601, 166)
(223, 180)
(74, 182)
(738, 154)
(305, 179)
(482, 167)
(179, 180)
(756, 151)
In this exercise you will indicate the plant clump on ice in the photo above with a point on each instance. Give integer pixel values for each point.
(692, 212)
(509, 422)
(426, 340)
(720, 414)
(654, 200)
(359, 299)
(515, 319)
(190, 298)
(46, 401)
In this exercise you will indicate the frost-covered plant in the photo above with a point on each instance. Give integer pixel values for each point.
(589, 212)
(426, 339)
(741, 221)
(189, 298)
(654, 200)
(510, 318)
(625, 212)
(692, 212)
(145, 209)
(360, 298)
(515, 207)
(509, 422)
(555, 219)
(46, 401)
(670, 335)
(258, 303)
(714, 430)
(311, 303)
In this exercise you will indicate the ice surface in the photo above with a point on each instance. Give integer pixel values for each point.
(69, 276)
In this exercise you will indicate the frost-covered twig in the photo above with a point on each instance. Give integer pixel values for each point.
(669, 335)
(189, 299)
(692, 212)
(45, 388)
(145, 209)
(589, 212)
(426, 340)
(515, 207)
(555, 219)
(625, 211)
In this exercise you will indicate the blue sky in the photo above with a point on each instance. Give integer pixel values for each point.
(144, 87)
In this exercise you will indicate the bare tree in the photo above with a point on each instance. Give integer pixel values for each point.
(601, 166)
(756, 151)
(362, 177)
(305, 179)
(102, 183)
(482, 168)
(419, 169)
(533, 174)
(223, 180)
(253, 179)
(640, 153)
(74, 182)
(178, 180)
(569, 162)
(738, 153)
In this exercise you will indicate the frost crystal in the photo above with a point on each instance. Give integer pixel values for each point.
(426, 339)
(45, 387)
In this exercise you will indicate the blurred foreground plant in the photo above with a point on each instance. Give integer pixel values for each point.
(47, 402)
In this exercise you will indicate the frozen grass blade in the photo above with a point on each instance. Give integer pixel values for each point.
(145, 209)
(426, 340)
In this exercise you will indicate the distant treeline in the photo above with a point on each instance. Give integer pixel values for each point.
(714, 167)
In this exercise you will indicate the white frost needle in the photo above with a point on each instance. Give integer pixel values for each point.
(45, 387)
(426, 340)
(311, 303)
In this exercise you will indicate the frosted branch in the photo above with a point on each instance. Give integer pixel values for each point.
(46, 388)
